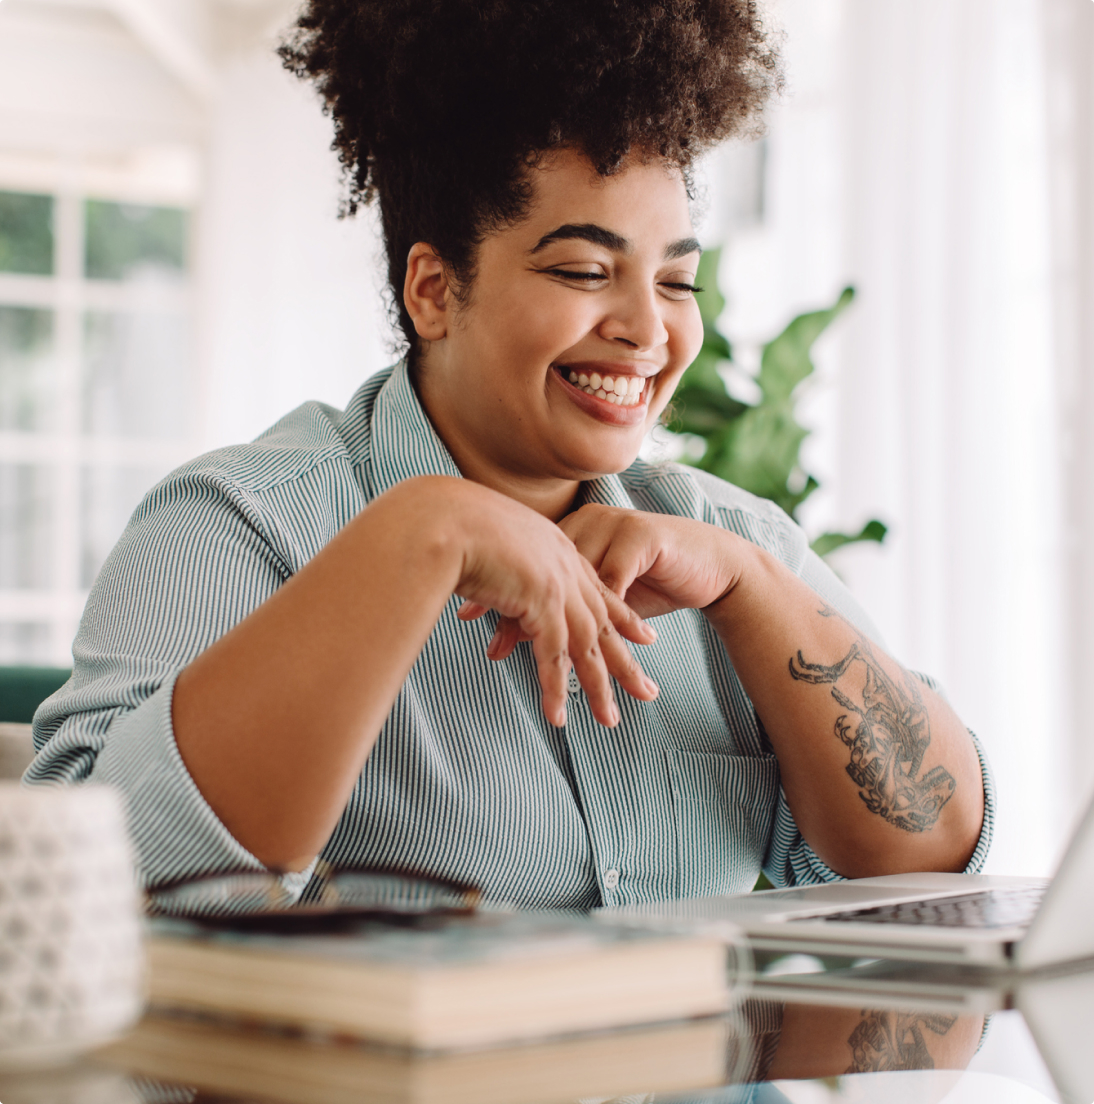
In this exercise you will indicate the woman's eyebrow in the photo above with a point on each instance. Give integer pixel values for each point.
(609, 239)
(682, 248)
(585, 231)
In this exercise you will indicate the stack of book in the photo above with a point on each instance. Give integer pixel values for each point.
(257, 1064)
(488, 1006)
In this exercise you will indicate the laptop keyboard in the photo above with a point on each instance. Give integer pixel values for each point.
(993, 908)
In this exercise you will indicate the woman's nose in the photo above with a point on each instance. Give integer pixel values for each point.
(635, 321)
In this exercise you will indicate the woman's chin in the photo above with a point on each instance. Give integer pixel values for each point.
(585, 459)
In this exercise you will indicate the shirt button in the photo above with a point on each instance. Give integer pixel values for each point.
(571, 682)
(611, 878)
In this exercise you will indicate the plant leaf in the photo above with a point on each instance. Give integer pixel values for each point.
(701, 411)
(756, 447)
(785, 361)
(828, 542)
(711, 301)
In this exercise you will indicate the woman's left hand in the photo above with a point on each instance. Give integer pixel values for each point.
(656, 563)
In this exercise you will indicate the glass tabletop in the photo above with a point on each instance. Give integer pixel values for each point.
(801, 1032)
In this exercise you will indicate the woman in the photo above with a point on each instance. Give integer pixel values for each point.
(273, 664)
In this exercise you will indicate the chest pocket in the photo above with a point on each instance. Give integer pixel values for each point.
(723, 806)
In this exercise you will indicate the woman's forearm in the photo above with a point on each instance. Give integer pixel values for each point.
(276, 719)
(879, 772)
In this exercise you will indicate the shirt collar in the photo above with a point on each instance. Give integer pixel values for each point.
(403, 444)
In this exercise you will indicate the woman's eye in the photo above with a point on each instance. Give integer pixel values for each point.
(680, 288)
(574, 274)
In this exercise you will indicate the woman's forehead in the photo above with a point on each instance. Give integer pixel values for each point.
(644, 204)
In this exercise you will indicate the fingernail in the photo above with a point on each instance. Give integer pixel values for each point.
(650, 629)
(614, 714)
(652, 686)
(561, 719)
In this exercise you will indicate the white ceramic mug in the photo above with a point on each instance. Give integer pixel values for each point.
(71, 966)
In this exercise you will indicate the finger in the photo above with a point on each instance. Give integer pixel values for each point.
(628, 623)
(589, 665)
(506, 637)
(624, 668)
(647, 602)
(591, 537)
(628, 557)
(549, 642)
(616, 542)
(471, 611)
(617, 656)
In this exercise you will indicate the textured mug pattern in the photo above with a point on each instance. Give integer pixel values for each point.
(70, 941)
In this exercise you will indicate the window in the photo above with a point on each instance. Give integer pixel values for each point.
(97, 396)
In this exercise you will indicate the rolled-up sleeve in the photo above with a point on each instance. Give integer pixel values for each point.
(791, 861)
(191, 564)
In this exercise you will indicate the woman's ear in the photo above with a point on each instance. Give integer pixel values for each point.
(426, 292)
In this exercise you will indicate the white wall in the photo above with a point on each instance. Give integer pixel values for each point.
(290, 295)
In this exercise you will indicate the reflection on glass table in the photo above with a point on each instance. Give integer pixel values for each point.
(861, 1033)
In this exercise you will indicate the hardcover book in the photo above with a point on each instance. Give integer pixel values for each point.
(257, 1064)
(434, 982)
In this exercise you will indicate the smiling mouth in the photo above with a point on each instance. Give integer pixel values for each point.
(619, 390)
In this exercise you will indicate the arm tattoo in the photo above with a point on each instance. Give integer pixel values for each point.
(894, 1040)
(888, 731)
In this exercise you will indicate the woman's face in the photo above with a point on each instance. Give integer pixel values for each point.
(579, 324)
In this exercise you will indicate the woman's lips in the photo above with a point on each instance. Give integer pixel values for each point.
(631, 411)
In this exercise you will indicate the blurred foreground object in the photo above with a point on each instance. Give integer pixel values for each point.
(249, 1063)
(16, 750)
(756, 446)
(440, 980)
(70, 961)
(79, 1083)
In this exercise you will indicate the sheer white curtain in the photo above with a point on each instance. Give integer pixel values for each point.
(950, 377)
(921, 155)
(1068, 27)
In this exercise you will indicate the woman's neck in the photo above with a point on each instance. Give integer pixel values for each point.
(553, 498)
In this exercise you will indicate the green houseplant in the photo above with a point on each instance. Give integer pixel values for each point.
(757, 446)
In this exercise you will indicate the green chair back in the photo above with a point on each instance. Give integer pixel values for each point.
(23, 689)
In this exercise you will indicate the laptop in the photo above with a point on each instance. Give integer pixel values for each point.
(965, 919)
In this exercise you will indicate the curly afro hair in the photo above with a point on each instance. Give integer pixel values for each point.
(441, 106)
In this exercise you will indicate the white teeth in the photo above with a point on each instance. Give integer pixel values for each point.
(620, 390)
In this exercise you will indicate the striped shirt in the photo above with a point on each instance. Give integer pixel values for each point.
(467, 781)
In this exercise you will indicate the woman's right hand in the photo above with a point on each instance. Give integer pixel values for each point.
(277, 717)
(523, 566)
